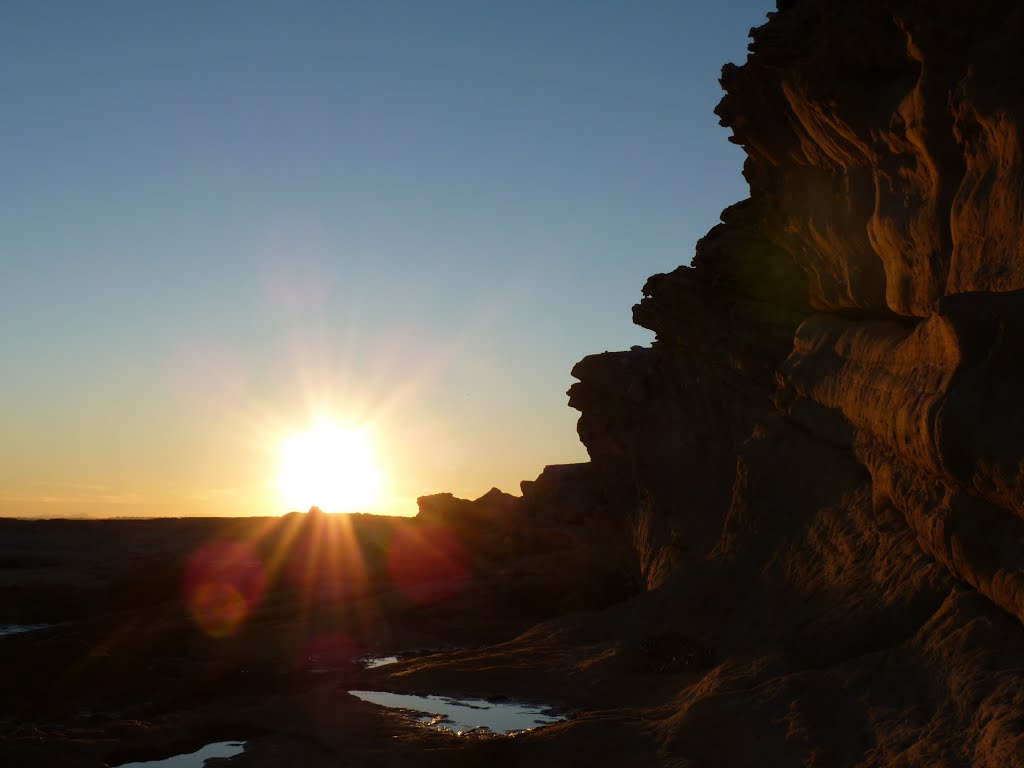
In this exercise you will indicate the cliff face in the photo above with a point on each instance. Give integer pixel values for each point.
(822, 453)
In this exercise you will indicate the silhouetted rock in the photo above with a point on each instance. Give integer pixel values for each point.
(565, 493)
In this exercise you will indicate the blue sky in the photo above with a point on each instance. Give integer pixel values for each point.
(220, 218)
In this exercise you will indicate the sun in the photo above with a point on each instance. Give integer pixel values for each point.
(331, 467)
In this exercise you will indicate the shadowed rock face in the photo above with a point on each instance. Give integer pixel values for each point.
(822, 454)
(884, 150)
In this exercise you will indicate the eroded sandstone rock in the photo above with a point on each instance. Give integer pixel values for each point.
(828, 432)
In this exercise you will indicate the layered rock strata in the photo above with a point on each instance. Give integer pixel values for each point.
(821, 456)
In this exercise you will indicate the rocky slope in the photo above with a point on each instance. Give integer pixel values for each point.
(822, 454)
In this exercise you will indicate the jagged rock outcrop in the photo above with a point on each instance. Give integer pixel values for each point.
(555, 549)
(821, 456)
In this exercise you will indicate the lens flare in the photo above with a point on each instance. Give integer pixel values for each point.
(218, 608)
(224, 581)
(427, 564)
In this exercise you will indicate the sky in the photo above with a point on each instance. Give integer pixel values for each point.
(221, 222)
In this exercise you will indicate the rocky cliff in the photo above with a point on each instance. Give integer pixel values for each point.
(821, 456)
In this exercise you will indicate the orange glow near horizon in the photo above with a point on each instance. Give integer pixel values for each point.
(331, 467)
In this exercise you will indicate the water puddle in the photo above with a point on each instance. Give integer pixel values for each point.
(17, 629)
(371, 662)
(379, 661)
(194, 759)
(463, 715)
(319, 666)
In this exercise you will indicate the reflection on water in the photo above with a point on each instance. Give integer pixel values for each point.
(370, 662)
(193, 759)
(379, 661)
(15, 629)
(463, 715)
